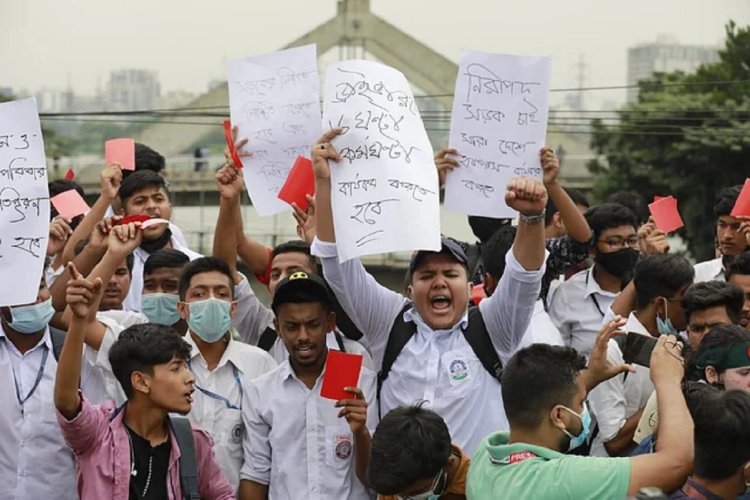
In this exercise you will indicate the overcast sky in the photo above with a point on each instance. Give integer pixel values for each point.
(53, 43)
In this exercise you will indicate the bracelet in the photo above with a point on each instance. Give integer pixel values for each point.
(531, 219)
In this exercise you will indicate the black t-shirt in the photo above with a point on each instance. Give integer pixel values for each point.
(151, 465)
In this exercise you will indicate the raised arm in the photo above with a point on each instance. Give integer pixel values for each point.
(229, 184)
(574, 221)
(82, 294)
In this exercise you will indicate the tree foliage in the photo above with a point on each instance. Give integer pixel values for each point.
(687, 135)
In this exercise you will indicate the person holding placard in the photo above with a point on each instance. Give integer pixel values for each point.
(299, 444)
(437, 361)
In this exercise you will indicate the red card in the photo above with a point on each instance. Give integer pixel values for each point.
(69, 204)
(120, 151)
(657, 197)
(478, 294)
(132, 218)
(666, 216)
(342, 370)
(299, 182)
(742, 206)
(70, 175)
(230, 142)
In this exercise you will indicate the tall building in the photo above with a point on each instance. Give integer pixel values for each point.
(663, 56)
(132, 89)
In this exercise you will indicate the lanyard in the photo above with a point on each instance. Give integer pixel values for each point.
(39, 375)
(593, 295)
(219, 397)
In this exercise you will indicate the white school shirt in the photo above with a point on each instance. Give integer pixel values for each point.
(541, 330)
(294, 441)
(438, 366)
(709, 270)
(577, 308)
(35, 462)
(613, 401)
(213, 414)
(132, 301)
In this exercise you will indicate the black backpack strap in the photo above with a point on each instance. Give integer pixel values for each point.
(474, 260)
(339, 340)
(267, 339)
(478, 337)
(183, 432)
(58, 339)
(401, 332)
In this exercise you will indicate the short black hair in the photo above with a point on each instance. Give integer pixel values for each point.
(721, 433)
(707, 294)
(578, 198)
(633, 202)
(295, 246)
(61, 185)
(141, 347)
(740, 264)
(165, 258)
(607, 216)
(484, 227)
(537, 378)
(494, 250)
(660, 275)
(716, 337)
(725, 200)
(147, 159)
(139, 180)
(203, 265)
(409, 444)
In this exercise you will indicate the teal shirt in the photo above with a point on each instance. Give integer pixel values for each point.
(549, 475)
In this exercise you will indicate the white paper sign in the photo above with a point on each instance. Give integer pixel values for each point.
(498, 126)
(24, 202)
(274, 99)
(385, 190)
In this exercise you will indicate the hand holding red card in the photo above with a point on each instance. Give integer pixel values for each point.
(230, 142)
(69, 204)
(299, 183)
(666, 216)
(342, 370)
(742, 205)
(121, 152)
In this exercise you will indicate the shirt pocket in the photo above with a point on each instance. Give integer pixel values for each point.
(459, 368)
(230, 431)
(339, 447)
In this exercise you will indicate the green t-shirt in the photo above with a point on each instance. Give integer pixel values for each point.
(502, 470)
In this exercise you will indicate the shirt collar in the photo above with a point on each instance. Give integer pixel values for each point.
(499, 448)
(634, 325)
(46, 338)
(411, 314)
(231, 354)
(593, 287)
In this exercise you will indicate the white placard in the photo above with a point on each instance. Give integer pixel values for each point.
(498, 126)
(24, 202)
(385, 190)
(274, 99)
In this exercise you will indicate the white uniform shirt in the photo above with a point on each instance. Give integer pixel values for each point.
(35, 463)
(438, 366)
(613, 401)
(133, 300)
(541, 330)
(295, 442)
(218, 404)
(577, 308)
(709, 270)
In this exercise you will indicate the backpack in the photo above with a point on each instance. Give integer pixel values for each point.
(475, 333)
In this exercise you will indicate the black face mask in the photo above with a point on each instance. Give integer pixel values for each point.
(152, 246)
(619, 264)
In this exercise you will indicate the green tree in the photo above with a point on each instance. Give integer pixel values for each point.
(687, 135)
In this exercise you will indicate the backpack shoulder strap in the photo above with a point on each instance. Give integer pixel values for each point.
(267, 339)
(474, 259)
(339, 340)
(399, 336)
(478, 337)
(183, 432)
(58, 339)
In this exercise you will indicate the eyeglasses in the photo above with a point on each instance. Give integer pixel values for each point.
(614, 242)
(437, 488)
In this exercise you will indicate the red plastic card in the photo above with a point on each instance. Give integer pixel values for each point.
(69, 204)
(342, 370)
(742, 205)
(666, 216)
(120, 151)
(230, 142)
(299, 183)
(70, 175)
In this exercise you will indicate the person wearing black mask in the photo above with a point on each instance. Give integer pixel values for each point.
(577, 307)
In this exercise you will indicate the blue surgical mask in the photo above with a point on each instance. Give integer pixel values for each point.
(33, 318)
(585, 417)
(435, 491)
(161, 308)
(209, 319)
(664, 326)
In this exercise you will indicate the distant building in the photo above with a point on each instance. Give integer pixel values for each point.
(176, 99)
(54, 101)
(132, 89)
(663, 56)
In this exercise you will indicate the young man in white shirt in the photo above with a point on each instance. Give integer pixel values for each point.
(661, 281)
(437, 363)
(738, 273)
(299, 444)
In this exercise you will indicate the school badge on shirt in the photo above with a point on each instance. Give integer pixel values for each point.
(343, 448)
(458, 370)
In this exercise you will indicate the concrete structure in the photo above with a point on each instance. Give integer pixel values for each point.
(133, 89)
(664, 56)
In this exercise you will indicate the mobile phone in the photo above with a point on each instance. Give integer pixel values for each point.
(638, 349)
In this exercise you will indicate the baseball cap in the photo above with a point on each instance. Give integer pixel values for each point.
(301, 287)
(448, 246)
